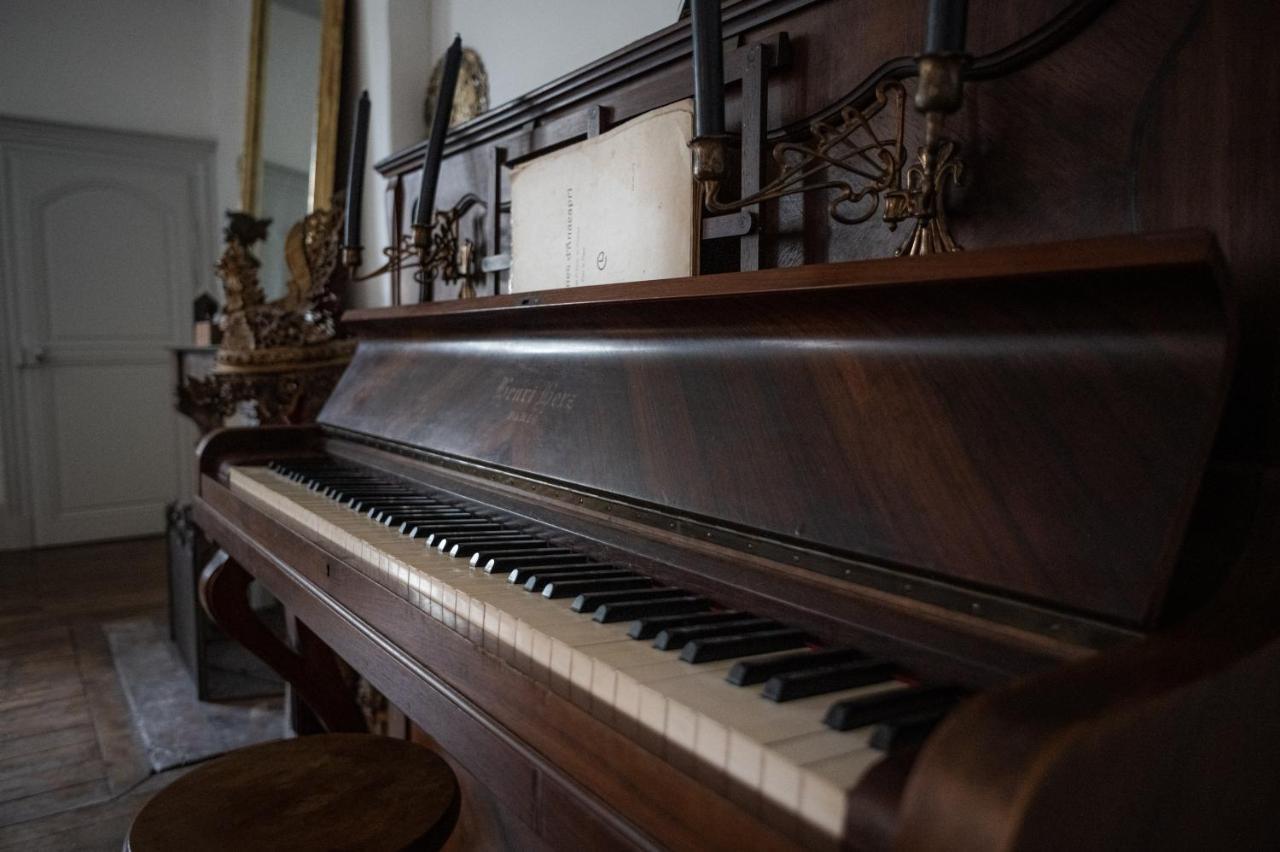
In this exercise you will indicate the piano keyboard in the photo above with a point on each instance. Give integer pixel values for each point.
(745, 704)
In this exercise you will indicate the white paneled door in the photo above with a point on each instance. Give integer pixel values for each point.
(106, 242)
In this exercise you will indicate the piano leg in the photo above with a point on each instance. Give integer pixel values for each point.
(312, 670)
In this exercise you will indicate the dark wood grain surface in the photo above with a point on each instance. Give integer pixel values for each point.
(1166, 744)
(73, 771)
(1002, 423)
(353, 791)
(1086, 118)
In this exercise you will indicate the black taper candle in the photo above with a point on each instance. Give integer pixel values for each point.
(945, 27)
(355, 175)
(435, 143)
(708, 69)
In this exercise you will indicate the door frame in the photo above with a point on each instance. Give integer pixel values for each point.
(194, 159)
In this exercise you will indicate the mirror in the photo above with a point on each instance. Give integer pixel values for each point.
(295, 58)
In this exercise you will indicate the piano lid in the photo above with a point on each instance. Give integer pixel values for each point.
(1032, 421)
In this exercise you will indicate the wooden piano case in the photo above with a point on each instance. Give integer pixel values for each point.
(1044, 471)
(979, 466)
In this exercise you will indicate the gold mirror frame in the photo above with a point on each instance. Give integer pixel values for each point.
(324, 143)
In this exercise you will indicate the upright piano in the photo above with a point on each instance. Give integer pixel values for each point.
(920, 553)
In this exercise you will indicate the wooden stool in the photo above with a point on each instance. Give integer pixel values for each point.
(331, 791)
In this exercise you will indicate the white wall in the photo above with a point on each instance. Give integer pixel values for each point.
(174, 67)
(169, 67)
(178, 66)
(527, 43)
(523, 43)
(389, 61)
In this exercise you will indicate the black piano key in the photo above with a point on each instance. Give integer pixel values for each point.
(398, 519)
(425, 530)
(375, 494)
(470, 534)
(361, 503)
(460, 523)
(426, 527)
(563, 587)
(412, 504)
(465, 549)
(537, 580)
(452, 520)
(727, 647)
(868, 710)
(819, 681)
(675, 638)
(651, 625)
(373, 489)
(520, 576)
(402, 497)
(631, 610)
(379, 490)
(343, 490)
(334, 486)
(410, 520)
(436, 532)
(376, 488)
(401, 500)
(425, 513)
(749, 672)
(407, 524)
(379, 513)
(524, 542)
(499, 562)
(445, 542)
(509, 540)
(499, 551)
(905, 731)
(589, 602)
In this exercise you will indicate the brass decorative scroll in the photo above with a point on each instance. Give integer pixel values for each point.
(862, 167)
(447, 255)
(852, 147)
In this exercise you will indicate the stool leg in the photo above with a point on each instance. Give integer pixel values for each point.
(314, 674)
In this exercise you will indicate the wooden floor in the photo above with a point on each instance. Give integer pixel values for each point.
(71, 771)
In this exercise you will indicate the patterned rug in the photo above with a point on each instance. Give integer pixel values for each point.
(175, 728)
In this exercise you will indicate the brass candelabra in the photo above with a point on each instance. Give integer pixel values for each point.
(436, 252)
(865, 170)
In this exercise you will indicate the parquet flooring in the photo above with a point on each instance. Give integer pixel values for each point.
(71, 773)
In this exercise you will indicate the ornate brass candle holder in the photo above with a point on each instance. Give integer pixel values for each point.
(438, 252)
(869, 167)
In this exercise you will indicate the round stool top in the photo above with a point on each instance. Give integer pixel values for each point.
(331, 792)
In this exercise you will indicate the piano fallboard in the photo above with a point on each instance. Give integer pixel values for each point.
(1032, 422)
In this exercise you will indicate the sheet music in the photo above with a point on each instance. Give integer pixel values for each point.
(619, 207)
